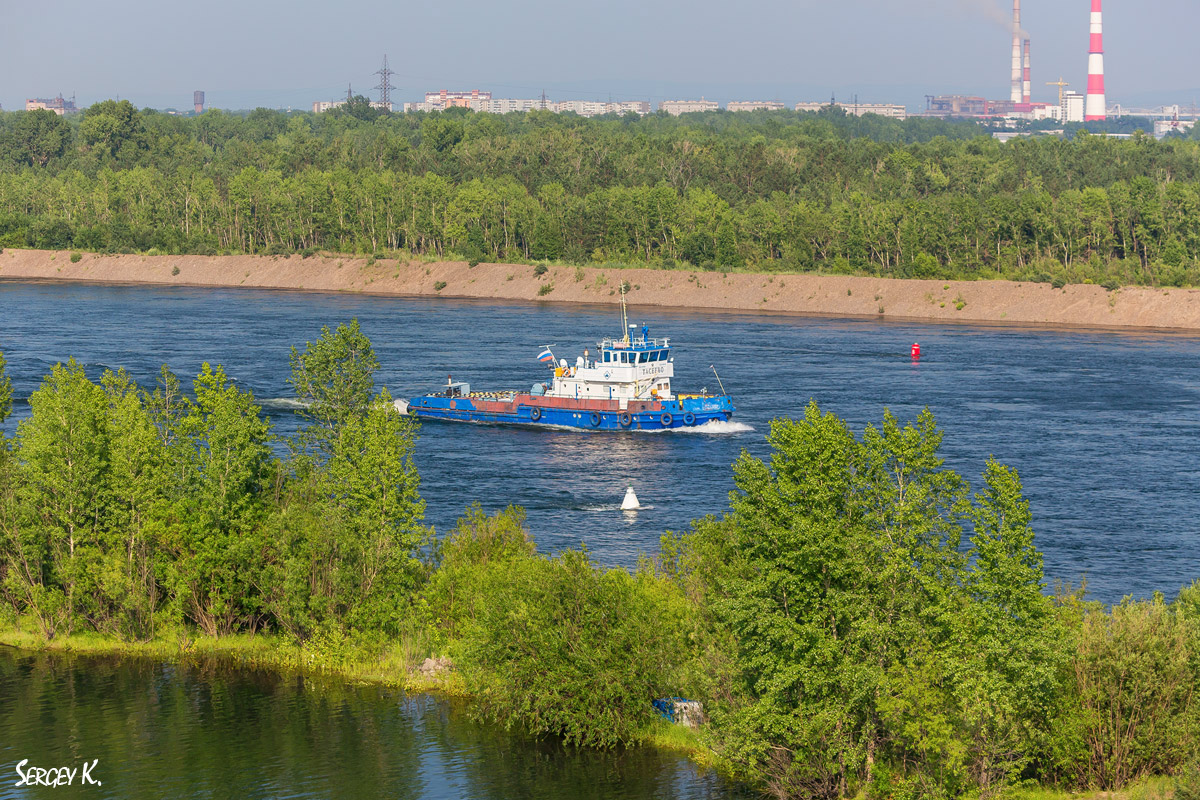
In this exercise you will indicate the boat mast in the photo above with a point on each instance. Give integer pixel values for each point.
(624, 317)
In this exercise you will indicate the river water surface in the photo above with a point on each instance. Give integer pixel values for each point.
(1103, 426)
(171, 730)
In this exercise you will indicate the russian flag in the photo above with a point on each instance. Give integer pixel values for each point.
(546, 355)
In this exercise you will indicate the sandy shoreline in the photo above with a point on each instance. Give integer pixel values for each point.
(959, 301)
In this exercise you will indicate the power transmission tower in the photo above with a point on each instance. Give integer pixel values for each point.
(385, 84)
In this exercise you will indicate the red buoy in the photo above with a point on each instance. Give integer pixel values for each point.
(916, 351)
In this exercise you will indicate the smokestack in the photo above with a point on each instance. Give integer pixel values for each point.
(1027, 85)
(1015, 96)
(1095, 108)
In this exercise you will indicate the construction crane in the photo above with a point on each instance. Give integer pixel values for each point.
(1060, 83)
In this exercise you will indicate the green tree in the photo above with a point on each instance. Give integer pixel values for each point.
(349, 537)
(214, 531)
(40, 136)
(334, 379)
(63, 450)
(113, 129)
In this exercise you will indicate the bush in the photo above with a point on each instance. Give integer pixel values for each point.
(76, 257)
(437, 287)
(539, 270)
(558, 647)
(1129, 704)
(545, 289)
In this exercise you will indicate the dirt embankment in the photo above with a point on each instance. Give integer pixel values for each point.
(965, 301)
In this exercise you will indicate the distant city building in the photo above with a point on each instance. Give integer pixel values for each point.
(593, 108)
(321, 106)
(890, 110)
(485, 103)
(584, 108)
(1162, 127)
(504, 105)
(1042, 111)
(1071, 108)
(677, 107)
(957, 105)
(754, 105)
(639, 107)
(56, 104)
(198, 101)
(448, 99)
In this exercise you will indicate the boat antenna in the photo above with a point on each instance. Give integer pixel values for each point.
(714, 369)
(624, 316)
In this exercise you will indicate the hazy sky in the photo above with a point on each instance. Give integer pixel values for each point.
(246, 53)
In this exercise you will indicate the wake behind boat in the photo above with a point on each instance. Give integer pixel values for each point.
(626, 386)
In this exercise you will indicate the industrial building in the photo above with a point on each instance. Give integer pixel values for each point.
(198, 101)
(58, 105)
(1071, 107)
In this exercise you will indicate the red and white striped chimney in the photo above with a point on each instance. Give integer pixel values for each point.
(1095, 108)
(1015, 95)
(1027, 85)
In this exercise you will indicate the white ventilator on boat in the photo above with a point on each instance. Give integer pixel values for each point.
(630, 503)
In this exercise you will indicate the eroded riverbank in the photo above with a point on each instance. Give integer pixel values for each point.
(844, 296)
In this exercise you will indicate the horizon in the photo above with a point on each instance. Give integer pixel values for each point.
(759, 51)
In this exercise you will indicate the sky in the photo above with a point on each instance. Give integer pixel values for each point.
(249, 53)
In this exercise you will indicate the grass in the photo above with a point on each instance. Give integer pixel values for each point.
(396, 664)
(1156, 788)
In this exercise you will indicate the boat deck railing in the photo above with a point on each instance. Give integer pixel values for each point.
(635, 344)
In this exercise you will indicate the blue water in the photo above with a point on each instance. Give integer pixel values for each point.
(211, 730)
(1103, 426)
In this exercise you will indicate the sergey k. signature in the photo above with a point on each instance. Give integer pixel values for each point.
(56, 776)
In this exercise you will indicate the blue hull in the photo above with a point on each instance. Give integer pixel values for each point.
(686, 413)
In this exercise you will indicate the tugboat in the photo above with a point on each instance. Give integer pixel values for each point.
(625, 386)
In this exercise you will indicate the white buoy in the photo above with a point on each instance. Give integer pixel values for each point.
(630, 503)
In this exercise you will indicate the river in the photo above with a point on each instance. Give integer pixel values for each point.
(1103, 426)
(207, 730)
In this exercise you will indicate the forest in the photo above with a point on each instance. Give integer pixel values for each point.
(860, 622)
(761, 191)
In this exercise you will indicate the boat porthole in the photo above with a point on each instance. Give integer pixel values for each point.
(626, 420)
(666, 420)
(595, 420)
(689, 418)
(535, 414)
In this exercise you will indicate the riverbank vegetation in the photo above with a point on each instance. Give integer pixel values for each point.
(859, 623)
(763, 191)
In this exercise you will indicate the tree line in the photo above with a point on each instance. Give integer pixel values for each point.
(778, 191)
(859, 622)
